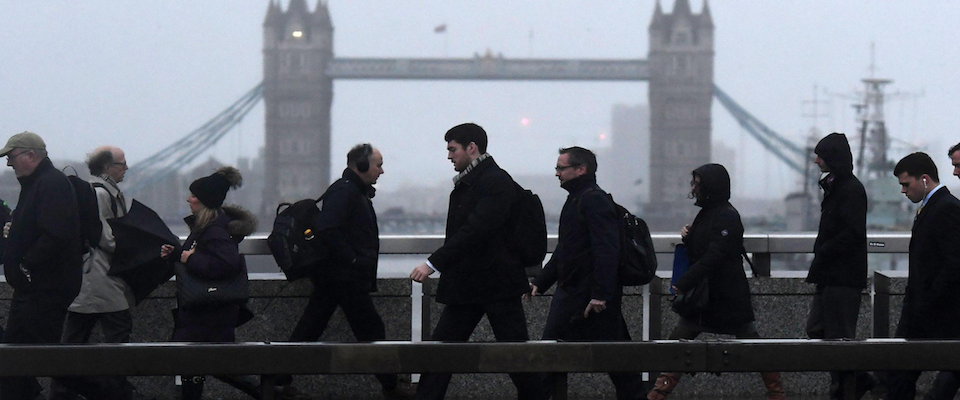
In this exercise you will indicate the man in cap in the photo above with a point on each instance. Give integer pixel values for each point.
(42, 261)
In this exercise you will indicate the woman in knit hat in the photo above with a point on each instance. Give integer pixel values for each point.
(211, 253)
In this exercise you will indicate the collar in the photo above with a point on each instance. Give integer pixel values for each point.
(927, 198)
(366, 189)
(474, 164)
(579, 183)
(106, 178)
(44, 165)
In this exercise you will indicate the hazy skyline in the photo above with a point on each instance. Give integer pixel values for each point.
(142, 74)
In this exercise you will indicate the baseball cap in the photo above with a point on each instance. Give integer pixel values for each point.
(23, 140)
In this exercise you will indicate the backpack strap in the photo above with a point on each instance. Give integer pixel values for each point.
(113, 201)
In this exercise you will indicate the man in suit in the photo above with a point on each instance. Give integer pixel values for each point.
(478, 275)
(931, 304)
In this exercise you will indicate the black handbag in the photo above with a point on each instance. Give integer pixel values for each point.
(693, 302)
(193, 291)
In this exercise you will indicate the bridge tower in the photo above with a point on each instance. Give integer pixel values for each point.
(297, 94)
(681, 93)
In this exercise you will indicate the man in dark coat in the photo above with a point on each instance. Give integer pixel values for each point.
(478, 275)
(931, 303)
(586, 305)
(42, 261)
(839, 267)
(347, 227)
(948, 382)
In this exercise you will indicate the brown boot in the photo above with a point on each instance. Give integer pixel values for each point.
(771, 380)
(665, 384)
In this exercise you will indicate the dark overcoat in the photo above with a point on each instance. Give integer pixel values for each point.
(347, 226)
(474, 263)
(931, 305)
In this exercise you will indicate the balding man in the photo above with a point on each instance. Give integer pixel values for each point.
(103, 298)
(42, 261)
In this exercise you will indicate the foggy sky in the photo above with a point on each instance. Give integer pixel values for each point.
(141, 74)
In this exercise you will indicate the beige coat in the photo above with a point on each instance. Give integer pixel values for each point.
(99, 292)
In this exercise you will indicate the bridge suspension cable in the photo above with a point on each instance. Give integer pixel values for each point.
(183, 151)
(787, 151)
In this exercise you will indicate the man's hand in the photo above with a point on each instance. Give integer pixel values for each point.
(595, 306)
(421, 272)
(533, 292)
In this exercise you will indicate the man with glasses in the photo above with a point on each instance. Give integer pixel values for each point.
(103, 298)
(42, 261)
(586, 304)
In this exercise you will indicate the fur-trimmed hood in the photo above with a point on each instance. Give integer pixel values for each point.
(242, 222)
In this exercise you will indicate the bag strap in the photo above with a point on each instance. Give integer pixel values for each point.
(113, 201)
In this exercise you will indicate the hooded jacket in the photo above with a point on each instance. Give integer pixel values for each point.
(715, 246)
(348, 226)
(45, 235)
(840, 251)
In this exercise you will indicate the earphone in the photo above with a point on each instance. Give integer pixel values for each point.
(924, 183)
(363, 164)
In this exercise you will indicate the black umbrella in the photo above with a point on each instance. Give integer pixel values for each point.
(139, 235)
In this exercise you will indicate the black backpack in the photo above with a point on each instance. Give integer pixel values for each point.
(638, 259)
(293, 243)
(528, 238)
(91, 229)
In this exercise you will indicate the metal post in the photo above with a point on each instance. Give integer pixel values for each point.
(881, 305)
(560, 386)
(761, 264)
(425, 305)
(268, 387)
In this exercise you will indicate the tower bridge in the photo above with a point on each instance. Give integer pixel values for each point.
(300, 68)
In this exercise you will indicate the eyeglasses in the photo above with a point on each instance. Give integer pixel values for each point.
(11, 157)
(123, 164)
(560, 168)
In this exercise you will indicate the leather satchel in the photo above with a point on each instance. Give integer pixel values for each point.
(193, 291)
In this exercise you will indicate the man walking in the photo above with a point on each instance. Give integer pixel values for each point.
(42, 261)
(587, 302)
(347, 226)
(103, 298)
(931, 303)
(839, 268)
(478, 275)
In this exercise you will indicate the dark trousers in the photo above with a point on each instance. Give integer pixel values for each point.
(354, 299)
(902, 385)
(833, 315)
(566, 322)
(35, 318)
(458, 321)
(78, 327)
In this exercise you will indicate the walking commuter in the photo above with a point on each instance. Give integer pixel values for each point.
(212, 253)
(478, 275)
(948, 382)
(347, 225)
(715, 246)
(839, 267)
(931, 301)
(42, 260)
(586, 305)
(103, 298)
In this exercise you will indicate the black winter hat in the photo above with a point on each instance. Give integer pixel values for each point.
(212, 190)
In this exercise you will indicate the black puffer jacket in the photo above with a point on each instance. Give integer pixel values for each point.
(715, 244)
(474, 263)
(45, 235)
(348, 227)
(840, 252)
(589, 247)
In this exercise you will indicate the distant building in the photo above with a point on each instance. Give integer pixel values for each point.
(624, 167)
